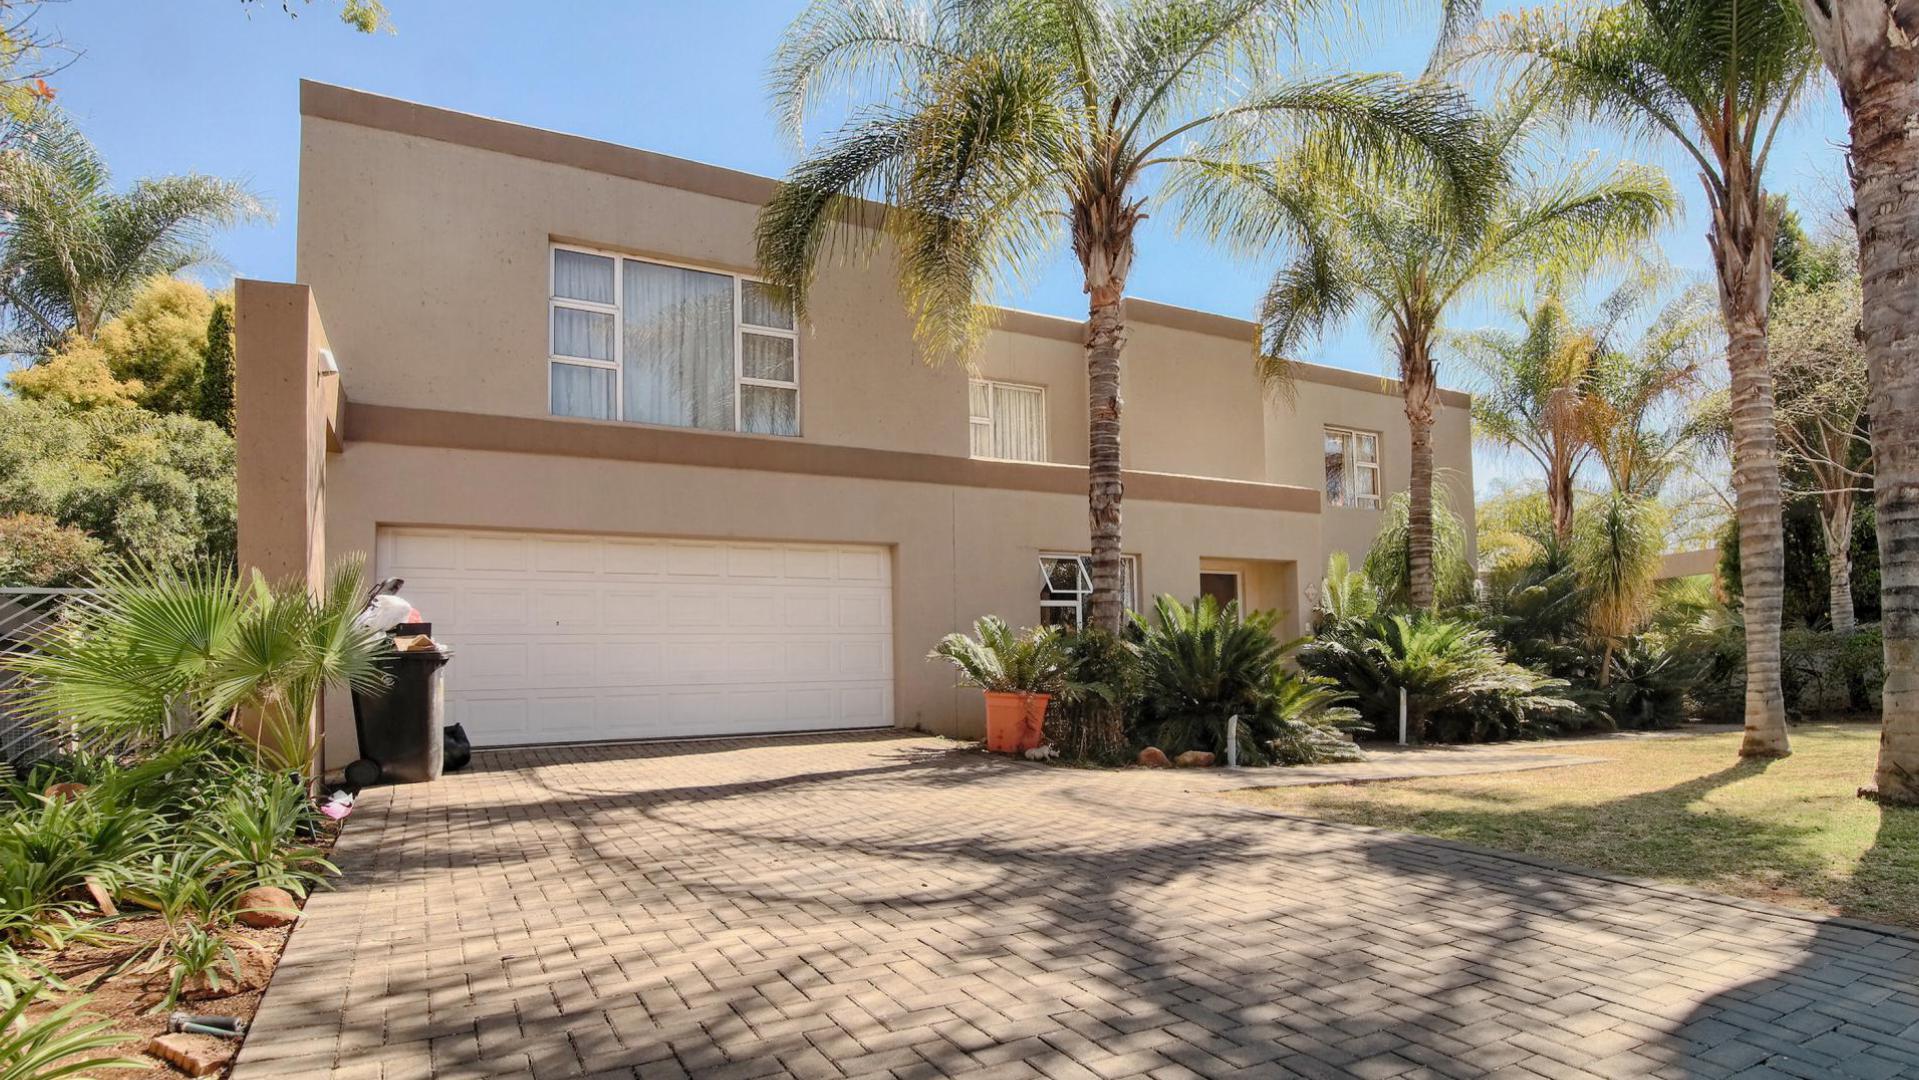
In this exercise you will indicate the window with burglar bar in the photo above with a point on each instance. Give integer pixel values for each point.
(1066, 587)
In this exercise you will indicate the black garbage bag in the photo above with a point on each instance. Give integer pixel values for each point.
(459, 751)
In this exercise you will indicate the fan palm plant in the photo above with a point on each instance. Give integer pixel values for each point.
(162, 651)
(989, 131)
(1403, 253)
(1717, 78)
(75, 250)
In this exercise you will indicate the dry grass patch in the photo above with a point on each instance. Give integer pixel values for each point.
(1683, 809)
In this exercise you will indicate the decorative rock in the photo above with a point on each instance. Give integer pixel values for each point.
(195, 1055)
(1194, 759)
(266, 907)
(1154, 758)
(66, 792)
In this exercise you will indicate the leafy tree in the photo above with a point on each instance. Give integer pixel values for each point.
(1820, 369)
(151, 488)
(160, 341)
(75, 251)
(990, 131)
(366, 16)
(1400, 251)
(1717, 78)
(1872, 49)
(77, 375)
(216, 377)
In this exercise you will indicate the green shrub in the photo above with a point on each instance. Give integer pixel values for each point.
(61, 1043)
(1649, 685)
(1459, 686)
(196, 958)
(1826, 675)
(254, 832)
(37, 551)
(47, 851)
(1305, 721)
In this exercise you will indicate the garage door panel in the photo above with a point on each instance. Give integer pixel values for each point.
(562, 637)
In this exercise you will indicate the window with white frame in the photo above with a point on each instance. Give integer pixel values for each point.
(1066, 587)
(1352, 468)
(651, 343)
(1008, 420)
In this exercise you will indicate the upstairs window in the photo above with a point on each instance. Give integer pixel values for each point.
(1008, 421)
(1352, 468)
(651, 343)
(1066, 587)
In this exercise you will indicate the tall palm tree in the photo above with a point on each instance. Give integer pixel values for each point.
(73, 251)
(1716, 78)
(1872, 49)
(984, 131)
(1631, 410)
(1402, 253)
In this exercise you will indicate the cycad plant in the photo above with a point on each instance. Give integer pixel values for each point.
(163, 651)
(1345, 595)
(1715, 79)
(1405, 254)
(74, 250)
(1459, 687)
(984, 133)
(1199, 667)
(999, 659)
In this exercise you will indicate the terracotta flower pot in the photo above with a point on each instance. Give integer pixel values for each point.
(1015, 722)
(1005, 722)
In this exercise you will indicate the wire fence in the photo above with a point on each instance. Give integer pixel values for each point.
(26, 614)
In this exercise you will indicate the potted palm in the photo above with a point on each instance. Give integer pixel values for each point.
(1018, 670)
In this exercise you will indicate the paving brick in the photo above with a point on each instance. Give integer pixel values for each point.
(893, 906)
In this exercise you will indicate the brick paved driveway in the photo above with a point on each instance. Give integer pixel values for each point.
(894, 906)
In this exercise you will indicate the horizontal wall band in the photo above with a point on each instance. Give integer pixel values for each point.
(441, 429)
(362, 109)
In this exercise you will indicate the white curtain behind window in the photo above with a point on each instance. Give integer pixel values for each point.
(582, 391)
(1019, 423)
(678, 346)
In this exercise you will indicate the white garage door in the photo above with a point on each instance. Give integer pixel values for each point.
(568, 638)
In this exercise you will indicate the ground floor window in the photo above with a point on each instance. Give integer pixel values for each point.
(1066, 587)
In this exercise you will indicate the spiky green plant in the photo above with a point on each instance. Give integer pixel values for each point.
(61, 1043)
(983, 134)
(197, 959)
(1199, 667)
(1306, 719)
(1003, 660)
(1617, 546)
(1345, 595)
(164, 651)
(1459, 687)
(76, 250)
(254, 831)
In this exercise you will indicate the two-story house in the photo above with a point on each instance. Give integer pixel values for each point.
(535, 376)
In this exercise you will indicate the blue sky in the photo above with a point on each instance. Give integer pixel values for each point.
(211, 86)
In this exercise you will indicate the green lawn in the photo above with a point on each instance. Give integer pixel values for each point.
(1682, 809)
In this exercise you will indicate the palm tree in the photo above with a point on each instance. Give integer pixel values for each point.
(1630, 409)
(1717, 78)
(1615, 557)
(1401, 252)
(73, 251)
(998, 127)
(1872, 49)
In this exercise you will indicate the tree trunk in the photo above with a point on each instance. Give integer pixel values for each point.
(1872, 49)
(1417, 381)
(1741, 239)
(1835, 521)
(1559, 497)
(1105, 334)
(1103, 225)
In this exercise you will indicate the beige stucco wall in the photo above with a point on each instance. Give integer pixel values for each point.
(958, 552)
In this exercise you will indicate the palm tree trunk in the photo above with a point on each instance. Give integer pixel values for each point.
(1417, 381)
(1103, 224)
(1559, 498)
(1885, 159)
(1835, 521)
(1741, 239)
(1105, 334)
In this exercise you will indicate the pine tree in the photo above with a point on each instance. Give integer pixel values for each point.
(216, 378)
